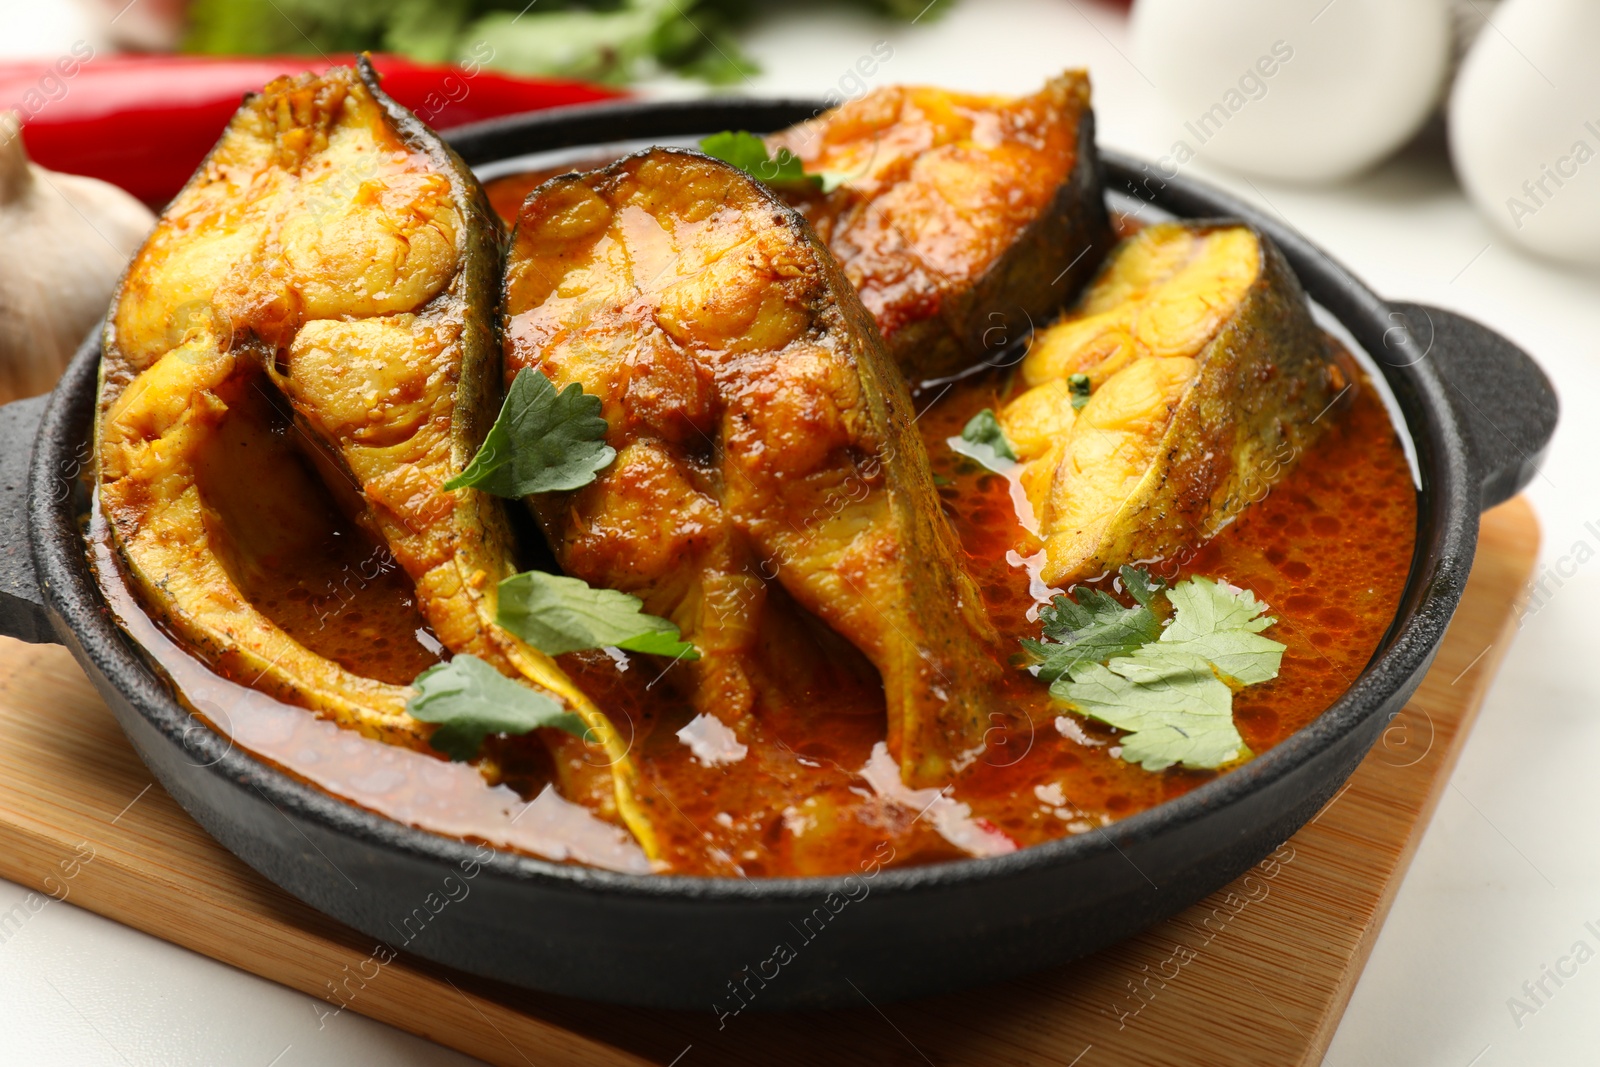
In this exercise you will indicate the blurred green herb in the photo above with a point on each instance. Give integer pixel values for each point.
(614, 41)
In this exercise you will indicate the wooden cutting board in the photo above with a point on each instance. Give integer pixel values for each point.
(1256, 974)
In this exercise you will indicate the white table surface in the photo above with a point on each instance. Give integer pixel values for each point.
(1507, 874)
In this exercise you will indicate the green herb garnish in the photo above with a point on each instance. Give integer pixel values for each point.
(982, 439)
(1096, 626)
(748, 152)
(1223, 625)
(615, 41)
(1079, 385)
(557, 614)
(542, 441)
(1173, 693)
(469, 700)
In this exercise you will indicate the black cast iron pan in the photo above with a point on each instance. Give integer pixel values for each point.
(1478, 410)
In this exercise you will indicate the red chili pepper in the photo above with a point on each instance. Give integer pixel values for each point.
(146, 122)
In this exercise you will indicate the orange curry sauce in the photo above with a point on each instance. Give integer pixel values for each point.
(1327, 549)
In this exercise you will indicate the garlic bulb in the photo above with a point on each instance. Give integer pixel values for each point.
(64, 240)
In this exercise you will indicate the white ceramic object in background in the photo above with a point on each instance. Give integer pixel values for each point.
(1304, 90)
(1525, 126)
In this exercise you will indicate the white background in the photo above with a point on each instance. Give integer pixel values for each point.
(1507, 874)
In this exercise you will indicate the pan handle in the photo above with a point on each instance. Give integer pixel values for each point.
(22, 613)
(1501, 396)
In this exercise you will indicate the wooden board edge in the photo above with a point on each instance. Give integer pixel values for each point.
(1515, 523)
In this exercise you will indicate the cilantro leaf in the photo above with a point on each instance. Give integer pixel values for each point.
(1170, 693)
(1095, 627)
(748, 152)
(1078, 385)
(1224, 627)
(1174, 708)
(982, 439)
(556, 614)
(1139, 584)
(470, 700)
(541, 442)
